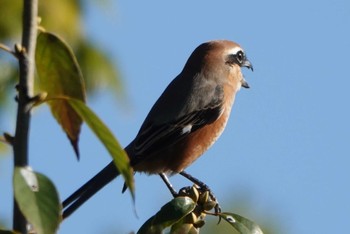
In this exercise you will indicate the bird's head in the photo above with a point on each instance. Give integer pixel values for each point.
(235, 57)
(219, 58)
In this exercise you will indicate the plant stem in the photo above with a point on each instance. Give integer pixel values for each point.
(7, 49)
(25, 91)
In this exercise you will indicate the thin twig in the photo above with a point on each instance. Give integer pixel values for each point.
(7, 49)
(7, 138)
(3, 140)
(25, 92)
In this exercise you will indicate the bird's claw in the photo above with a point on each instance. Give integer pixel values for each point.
(217, 207)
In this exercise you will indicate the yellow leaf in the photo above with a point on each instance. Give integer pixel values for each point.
(59, 75)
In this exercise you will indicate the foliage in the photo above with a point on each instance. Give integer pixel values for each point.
(56, 15)
(60, 84)
(186, 213)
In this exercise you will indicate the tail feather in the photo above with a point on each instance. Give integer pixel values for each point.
(79, 197)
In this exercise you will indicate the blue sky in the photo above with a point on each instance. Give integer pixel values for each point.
(286, 149)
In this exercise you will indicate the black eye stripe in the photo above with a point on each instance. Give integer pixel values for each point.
(237, 58)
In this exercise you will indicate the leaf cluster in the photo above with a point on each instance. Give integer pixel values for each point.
(56, 15)
(187, 212)
(60, 84)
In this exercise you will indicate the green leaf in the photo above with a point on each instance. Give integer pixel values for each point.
(38, 200)
(184, 228)
(59, 75)
(120, 158)
(240, 224)
(169, 214)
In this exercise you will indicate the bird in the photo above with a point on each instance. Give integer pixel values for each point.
(184, 122)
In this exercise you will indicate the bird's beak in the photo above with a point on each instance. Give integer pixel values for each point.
(245, 84)
(247, 64)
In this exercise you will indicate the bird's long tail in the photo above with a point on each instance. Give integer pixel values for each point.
(91, 187)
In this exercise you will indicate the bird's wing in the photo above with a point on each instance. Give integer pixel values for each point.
(154, 137)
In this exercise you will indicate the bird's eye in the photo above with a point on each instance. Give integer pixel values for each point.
(240, 56)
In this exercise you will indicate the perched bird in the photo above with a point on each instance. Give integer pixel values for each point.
(185, 121)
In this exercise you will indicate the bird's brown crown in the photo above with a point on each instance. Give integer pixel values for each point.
(211, 52)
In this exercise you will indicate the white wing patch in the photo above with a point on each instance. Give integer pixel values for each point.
(187, 129)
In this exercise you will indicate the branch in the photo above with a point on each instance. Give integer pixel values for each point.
(7, 49)
(25, 54)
